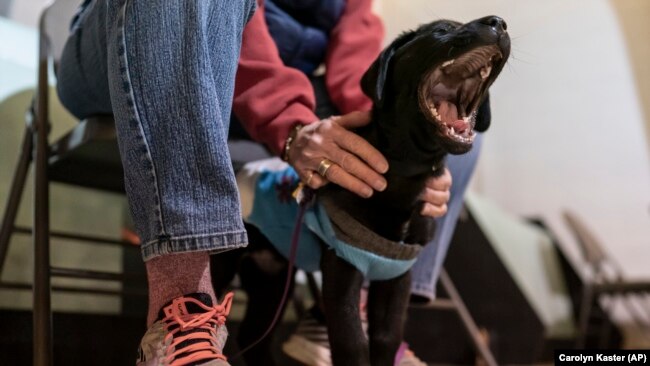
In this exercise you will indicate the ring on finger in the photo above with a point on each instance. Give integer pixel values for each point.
(324, 166)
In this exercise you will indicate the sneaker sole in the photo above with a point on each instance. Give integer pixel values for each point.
(309, 353)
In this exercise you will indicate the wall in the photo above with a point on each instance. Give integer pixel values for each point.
(633, 17)
(570, 114)
(26, 11)
(5, 5)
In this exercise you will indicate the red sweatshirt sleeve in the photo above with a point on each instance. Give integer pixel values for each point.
(354, 44)
(269, 97)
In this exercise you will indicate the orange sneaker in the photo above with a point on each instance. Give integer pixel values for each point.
(190, 332)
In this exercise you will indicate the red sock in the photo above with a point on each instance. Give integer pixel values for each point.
(174, 275)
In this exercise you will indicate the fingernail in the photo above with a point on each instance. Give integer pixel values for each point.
(383, 168)
(367, 192)
(380, 184)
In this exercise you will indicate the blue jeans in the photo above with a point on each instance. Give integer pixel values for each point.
(165, 69)
(426, 270)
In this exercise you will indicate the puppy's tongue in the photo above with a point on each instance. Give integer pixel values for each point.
(449, 115)
(447, 111)
(459, 125)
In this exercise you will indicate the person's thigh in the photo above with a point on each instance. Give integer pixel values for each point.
(82, 76)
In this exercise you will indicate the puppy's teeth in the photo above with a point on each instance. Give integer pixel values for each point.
(447, 63)
(452, 130)
(485, 72)
(434, 111)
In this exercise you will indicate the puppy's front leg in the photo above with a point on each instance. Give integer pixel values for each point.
(387, 305)
(341, 287)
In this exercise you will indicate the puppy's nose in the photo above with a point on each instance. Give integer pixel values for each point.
(497, 23)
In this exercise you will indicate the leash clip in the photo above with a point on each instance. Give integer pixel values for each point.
(304, 195)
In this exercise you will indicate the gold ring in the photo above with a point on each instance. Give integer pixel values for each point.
(311, 175)
(323, 167)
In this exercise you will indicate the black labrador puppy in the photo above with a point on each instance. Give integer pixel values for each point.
(430, 94)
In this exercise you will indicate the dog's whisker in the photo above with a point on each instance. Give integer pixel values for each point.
(512, 68)
(523, 60)
(513, 57)
(514, 47)
(431, 12)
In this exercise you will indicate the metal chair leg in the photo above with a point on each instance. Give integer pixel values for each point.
(15, 194)
(584, 316)
(466, 318)
(42, 291)
(42, 302)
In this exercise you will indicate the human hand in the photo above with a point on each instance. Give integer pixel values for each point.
(436, 195)
(357, 165)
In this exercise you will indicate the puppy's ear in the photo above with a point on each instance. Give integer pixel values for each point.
(484, 115)
(374, 80)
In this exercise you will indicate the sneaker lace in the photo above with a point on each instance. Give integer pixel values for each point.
(200, 329)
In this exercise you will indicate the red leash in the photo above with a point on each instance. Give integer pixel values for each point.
(305, 197)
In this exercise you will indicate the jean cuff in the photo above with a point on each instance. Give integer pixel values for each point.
(213, 243)
(424, 291)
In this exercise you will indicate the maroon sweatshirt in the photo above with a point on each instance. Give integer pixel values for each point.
(270, 97)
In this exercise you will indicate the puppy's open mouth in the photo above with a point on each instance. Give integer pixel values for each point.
(451, 93)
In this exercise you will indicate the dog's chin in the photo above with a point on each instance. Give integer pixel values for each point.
(455, 148)
(446, 137)
(451, 92)
(449, 142)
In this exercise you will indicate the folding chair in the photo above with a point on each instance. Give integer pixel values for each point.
(605, 283)
(86, 156)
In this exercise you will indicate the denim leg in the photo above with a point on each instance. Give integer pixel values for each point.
(165, 68)
(426, 269)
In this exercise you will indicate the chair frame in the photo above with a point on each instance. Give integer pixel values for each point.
(605, 282)
(36, 149)
(454, 303)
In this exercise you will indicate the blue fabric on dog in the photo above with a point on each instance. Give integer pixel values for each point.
(274, 212)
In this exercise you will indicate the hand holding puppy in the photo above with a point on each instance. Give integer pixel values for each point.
(356, 165)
